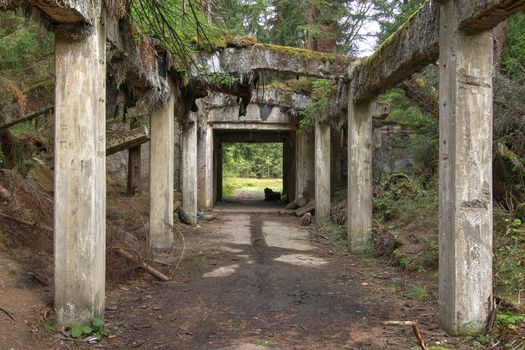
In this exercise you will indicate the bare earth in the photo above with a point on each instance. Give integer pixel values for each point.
(251, 281)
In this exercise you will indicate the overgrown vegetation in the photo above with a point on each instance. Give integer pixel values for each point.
(253, 160)
(231, 184)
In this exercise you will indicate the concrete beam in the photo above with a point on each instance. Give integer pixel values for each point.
(68, 11)
(122, 140)
(261, 96)
(162, 144)
(189, 172)
(38, 100)
(416, 43)
(465, 176)
(359, 174)
(481, 15)
(322, 173)
(242, 62)
(412, 47)
(80, 178)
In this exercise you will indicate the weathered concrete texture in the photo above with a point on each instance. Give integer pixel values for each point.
(478, 15)
(465, 176)
(322, 173)
(261, 96)
(205, 168)
(336, 149)
(305, 160)
(359, 174)
(189, 172)
(80, 178)
(37, 101)
(392, 151)
(411, 48)
(243, 61)
(178, 157)
(120, 140)
(254, 113)
(68, 11)
(162, 146)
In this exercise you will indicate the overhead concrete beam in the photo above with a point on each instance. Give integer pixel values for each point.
(120, 141)
(412, 47)
(67, 11)
(242, 62)
(479, 15)
(416, 43)
(36, 102)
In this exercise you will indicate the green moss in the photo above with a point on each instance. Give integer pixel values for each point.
(40, 85)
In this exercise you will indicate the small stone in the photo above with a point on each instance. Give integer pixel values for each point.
(306, 219)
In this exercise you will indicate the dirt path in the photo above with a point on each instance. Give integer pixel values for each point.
(251, 278)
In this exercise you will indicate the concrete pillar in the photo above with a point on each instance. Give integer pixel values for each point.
(189, 172)
(205, 168)
(134, 170)
(336, 149)
(305, 160)
(359, 174)
(161, 163)
(178, 158)
(465, 176)
(322, 172)
(134, 166)
(80, 177)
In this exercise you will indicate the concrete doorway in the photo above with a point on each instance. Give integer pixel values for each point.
(252, 200)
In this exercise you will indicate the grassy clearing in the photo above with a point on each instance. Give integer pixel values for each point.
(230, 184)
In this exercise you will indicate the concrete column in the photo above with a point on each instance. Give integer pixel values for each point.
(305, 169)
(134, 166)
(189, 172)
(134, 170)
(322, 172)
(359, 174)
(178, 158)
(80, 177)
(465, 176)
(205, 168)
(161, 164)
(336, 149)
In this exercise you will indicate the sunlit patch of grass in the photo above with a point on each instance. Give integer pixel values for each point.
(230, 184)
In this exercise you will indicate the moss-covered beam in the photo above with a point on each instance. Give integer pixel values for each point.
(486, 14)
(32, 103)
(121, 140)
(416, 43)
(412, 47)
(246, 60)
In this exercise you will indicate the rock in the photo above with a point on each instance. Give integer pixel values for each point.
(288, 212)
(306, 219)
(292, 205)
(301, 202)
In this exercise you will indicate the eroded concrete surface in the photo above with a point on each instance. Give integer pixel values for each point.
(250, 278)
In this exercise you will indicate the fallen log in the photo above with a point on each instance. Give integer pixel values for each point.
(147, 267)
(309, 207)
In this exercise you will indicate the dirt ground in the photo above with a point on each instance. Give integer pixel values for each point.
(246, 281)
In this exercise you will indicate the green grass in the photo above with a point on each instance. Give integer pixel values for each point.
(230, 184)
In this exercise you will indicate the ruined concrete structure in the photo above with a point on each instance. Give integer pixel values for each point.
(91, 44)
